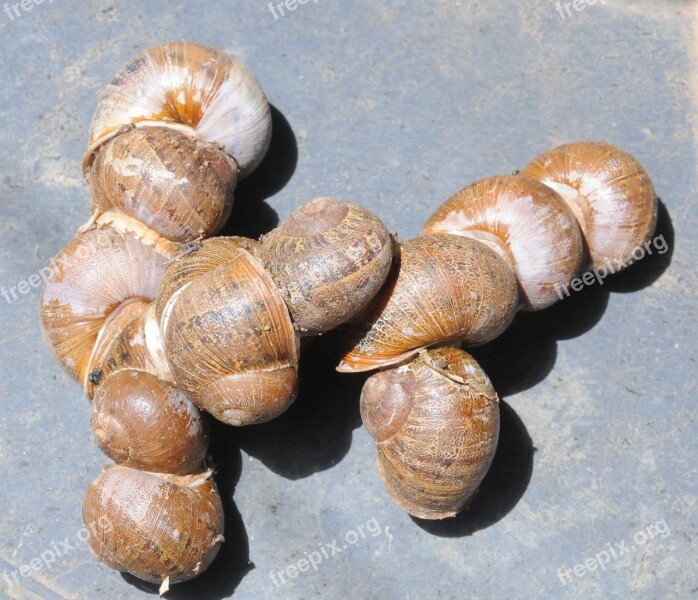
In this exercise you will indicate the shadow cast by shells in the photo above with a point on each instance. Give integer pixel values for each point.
(233, 561)
(315, 433)
(502, 488)
(251, 215)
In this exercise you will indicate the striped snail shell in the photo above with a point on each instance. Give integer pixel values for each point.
(329, 258)
(526, 223)
(98, 284)
(191, 88)
(436, 424)
(157, 527)
(609, 192)
(228, 336)
(178, 185)
(143, 422)
(444, 288)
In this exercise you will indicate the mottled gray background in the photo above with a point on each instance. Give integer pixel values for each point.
(394, 105)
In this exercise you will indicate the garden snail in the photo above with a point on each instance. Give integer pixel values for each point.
(499, 244)
(102, 280)
(163, 527)
(171, 135)
(526, 224)
(154, 173)
(609, 192)
(230, 340)
(329, 259)
(129, 412)
(442, 289)
(436, 424)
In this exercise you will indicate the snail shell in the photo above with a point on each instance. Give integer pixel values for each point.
(436, 421)
(175, 184)
(156, 527)
(231, 344)
(329, 259)
(191, 88)
(526, 223)
(208, 255)
(101, 281)
(609, 192)
(142, 422)
(444, 288)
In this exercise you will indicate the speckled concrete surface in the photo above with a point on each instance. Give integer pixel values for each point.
(394, 105)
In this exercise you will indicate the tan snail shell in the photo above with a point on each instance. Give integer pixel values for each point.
(174, 183)
(146, 423)
(329, 259)
(436, 424)
(444, 288)
(609, 192)
(158, 527)
(192, 88)
(203, 258)
(526, 223)
(101, 281)
(230, 341)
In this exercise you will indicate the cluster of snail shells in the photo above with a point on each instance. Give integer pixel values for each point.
(157, 322)
(157, 326)
(171, 135)
(232, 313)
(499, 245)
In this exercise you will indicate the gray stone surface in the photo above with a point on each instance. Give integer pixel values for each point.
(394, 105)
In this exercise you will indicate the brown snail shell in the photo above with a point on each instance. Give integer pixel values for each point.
(444, 288)
(329, 259)
(609, 192)
(156, 527)
(526, 223)
(205, 257)
(231, 344)
(174, 183)
(146, 423)
(436, 424)
(102, 280)
(191, 88)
